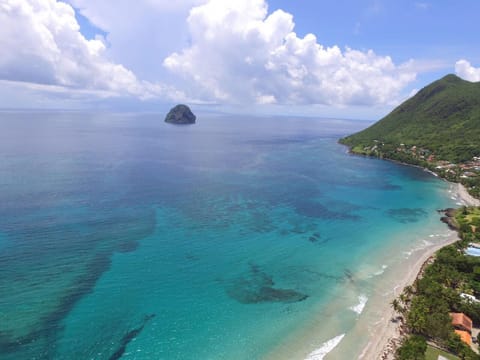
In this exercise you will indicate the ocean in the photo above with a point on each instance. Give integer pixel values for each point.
(122, 237)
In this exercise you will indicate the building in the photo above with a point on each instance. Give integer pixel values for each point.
(463, 326)
(465, 336)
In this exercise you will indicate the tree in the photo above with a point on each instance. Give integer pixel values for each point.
(409, 290)
(413, 348)
(439, 326)
(417, 317)
(397, 307)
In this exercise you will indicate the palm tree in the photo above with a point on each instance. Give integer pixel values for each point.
(397, 307)
(408, 290)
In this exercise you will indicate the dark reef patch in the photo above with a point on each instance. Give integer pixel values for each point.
(261, 222)
(407, 215)
(128, 337)
(48, 326)
(314, 238)
(128, 246)
(315, 210)
(391, 187)
(349, 275)
(306, 276)
(102, 231)
(191, 257)
(344, 206)
(258, 287)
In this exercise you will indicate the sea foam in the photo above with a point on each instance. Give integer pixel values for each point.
(326, 347)
(381, 271)
(362, 301)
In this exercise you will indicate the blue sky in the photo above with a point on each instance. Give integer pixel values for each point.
(87, 28)
(354, 59)
(441, 31)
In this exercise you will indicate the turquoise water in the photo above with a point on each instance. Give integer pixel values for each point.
(124, 237)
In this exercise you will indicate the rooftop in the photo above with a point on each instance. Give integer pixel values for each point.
(461, 322)
(465, 336)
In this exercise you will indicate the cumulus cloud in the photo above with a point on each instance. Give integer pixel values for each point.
(229, 52)
(42, 44)
(466, 71)
(142, 34)
(241, 53)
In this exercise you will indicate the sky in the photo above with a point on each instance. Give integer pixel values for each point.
(349, 59)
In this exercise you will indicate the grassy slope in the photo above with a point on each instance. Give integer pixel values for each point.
(432, 354)
(443, 117)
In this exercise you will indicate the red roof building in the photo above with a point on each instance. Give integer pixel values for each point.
(462, 322)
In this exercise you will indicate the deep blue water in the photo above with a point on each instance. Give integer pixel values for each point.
(124, 237)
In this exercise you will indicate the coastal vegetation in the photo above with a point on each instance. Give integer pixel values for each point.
(449, 284)
(438, 129)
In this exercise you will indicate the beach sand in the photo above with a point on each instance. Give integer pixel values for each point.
(385, 335)
(374, 335)
(465, 197)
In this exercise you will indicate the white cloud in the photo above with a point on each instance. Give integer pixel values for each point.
(229, 52)
(466, 71)
(41, 44)
(140, 34)
(241, 54)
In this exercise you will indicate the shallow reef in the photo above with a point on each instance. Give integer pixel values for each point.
(258, 287)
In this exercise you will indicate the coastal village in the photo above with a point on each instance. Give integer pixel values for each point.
(467, 172)
(439, 314)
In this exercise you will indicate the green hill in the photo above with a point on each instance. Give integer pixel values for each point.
(442, 119)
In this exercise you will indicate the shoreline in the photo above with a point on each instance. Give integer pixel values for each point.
(465, 197)
(387, 334)
(381, 335)
(462, 191)
(373, 333)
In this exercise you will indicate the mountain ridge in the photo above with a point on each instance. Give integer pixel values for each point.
(437, 127)
(443, 117)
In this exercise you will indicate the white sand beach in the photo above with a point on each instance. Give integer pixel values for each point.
(385, 336)
(465, 197)
(374, 335)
